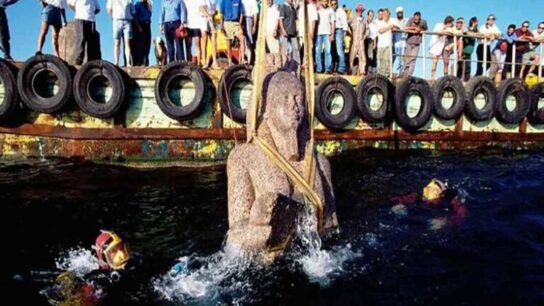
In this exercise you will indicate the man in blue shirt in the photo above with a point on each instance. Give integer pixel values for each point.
(142, 26)
(174, 16)
(232, 17)
(4, 28)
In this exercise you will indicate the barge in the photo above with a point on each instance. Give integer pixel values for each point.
(181, 112)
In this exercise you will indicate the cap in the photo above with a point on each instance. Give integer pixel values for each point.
(400, 9)
(492, 16)
(360, 7)
(461, 19)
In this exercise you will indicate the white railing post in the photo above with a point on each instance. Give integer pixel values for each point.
(540, 62)
(456, 56)
(513, 61)
(391, 50)
(485, 57)
(424, 52)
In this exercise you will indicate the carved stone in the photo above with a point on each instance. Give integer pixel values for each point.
(263, 203)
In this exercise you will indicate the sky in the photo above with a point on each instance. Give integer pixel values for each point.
(25, 18)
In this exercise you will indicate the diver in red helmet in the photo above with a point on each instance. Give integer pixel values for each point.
(116, 267)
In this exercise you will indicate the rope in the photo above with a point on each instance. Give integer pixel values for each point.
(306, 182)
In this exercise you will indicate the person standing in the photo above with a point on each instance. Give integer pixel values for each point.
(251, 20)
(195, 22)
(85, 12)
(288, 26)
(142, 28)
(340, 28)
(399, 41)
(490, 33)
(359, 33)
(209, 32)
(53, 15)
(525, 49)
(121, 11)
(437, 47)
(325, 36)
(371, 43)
(415, 26)
(539, 38)
(385, 27)
(4, 28)
(272, 27)
(469, 42)
(173, 17)
(231, 23)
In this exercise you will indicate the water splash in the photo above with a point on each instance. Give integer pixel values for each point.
(319, 265)
(80, 261)
(207, 278)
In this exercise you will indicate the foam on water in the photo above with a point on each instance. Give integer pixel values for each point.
(80, 261)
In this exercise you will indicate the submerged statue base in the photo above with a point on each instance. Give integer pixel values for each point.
(263, 203)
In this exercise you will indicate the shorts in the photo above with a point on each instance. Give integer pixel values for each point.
(122, 28)
(232, 29)
(51, 15)
(447, 52)
(529, 56)
(209, 27)
(195, 33)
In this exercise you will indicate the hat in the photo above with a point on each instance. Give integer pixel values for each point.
(360, 7)
(400, 9)
(461, 19)
(491, 16)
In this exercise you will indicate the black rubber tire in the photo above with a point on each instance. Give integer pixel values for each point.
(27, 91)
(453, 84)
(536, 114)
(522, 94)
(473, 87)
(231, 76)
(83, 81)
(168, 107)
(413, 84)
(10, 105)
(324, 90)
(381, 84)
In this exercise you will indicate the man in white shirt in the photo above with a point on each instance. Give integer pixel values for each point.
(399, 41)
(121, 12)
(539, 38)
(251, 20)
(385, 40)
(325, 35)
(87, 38)
(312, 16)
(208, 12)
(341, 27)
(491, 32)
(195, 22)
(272, 27)
(371, 42)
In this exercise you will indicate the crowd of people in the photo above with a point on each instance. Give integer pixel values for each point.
(344, 42)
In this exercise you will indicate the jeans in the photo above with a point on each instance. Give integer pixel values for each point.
(86, 41)
(142, 44)
(323, 41)
(177, 48)
(463, 67)
(4, 34)
(339, 39)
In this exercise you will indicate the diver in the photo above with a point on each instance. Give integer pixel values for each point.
(436, 194)
(116, 267)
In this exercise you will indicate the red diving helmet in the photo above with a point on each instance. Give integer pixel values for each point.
(112, 252)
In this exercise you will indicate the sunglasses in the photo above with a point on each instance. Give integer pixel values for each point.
(541, 28)
(490, 18)
(525, 26)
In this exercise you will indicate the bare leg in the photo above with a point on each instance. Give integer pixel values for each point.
(203, 49)
(41, 37)
(198, 49)
(446, 65)
(128, 54)
(55, 37)
(117, 50)
(229, 54)
(536, 60)
(433, 67)
(214, 50)
(242, 47)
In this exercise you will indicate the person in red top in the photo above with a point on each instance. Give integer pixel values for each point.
(525, 50)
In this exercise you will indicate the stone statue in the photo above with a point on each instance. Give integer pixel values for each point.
(263, 203)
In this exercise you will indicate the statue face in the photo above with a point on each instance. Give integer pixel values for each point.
(285, 114)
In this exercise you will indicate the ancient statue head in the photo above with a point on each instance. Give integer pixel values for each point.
(283, 114)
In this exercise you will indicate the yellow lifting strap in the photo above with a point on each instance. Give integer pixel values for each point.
(304, 184)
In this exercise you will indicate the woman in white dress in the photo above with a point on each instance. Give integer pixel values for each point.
(438, 43)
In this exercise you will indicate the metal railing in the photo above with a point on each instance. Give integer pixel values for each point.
(423, 49)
